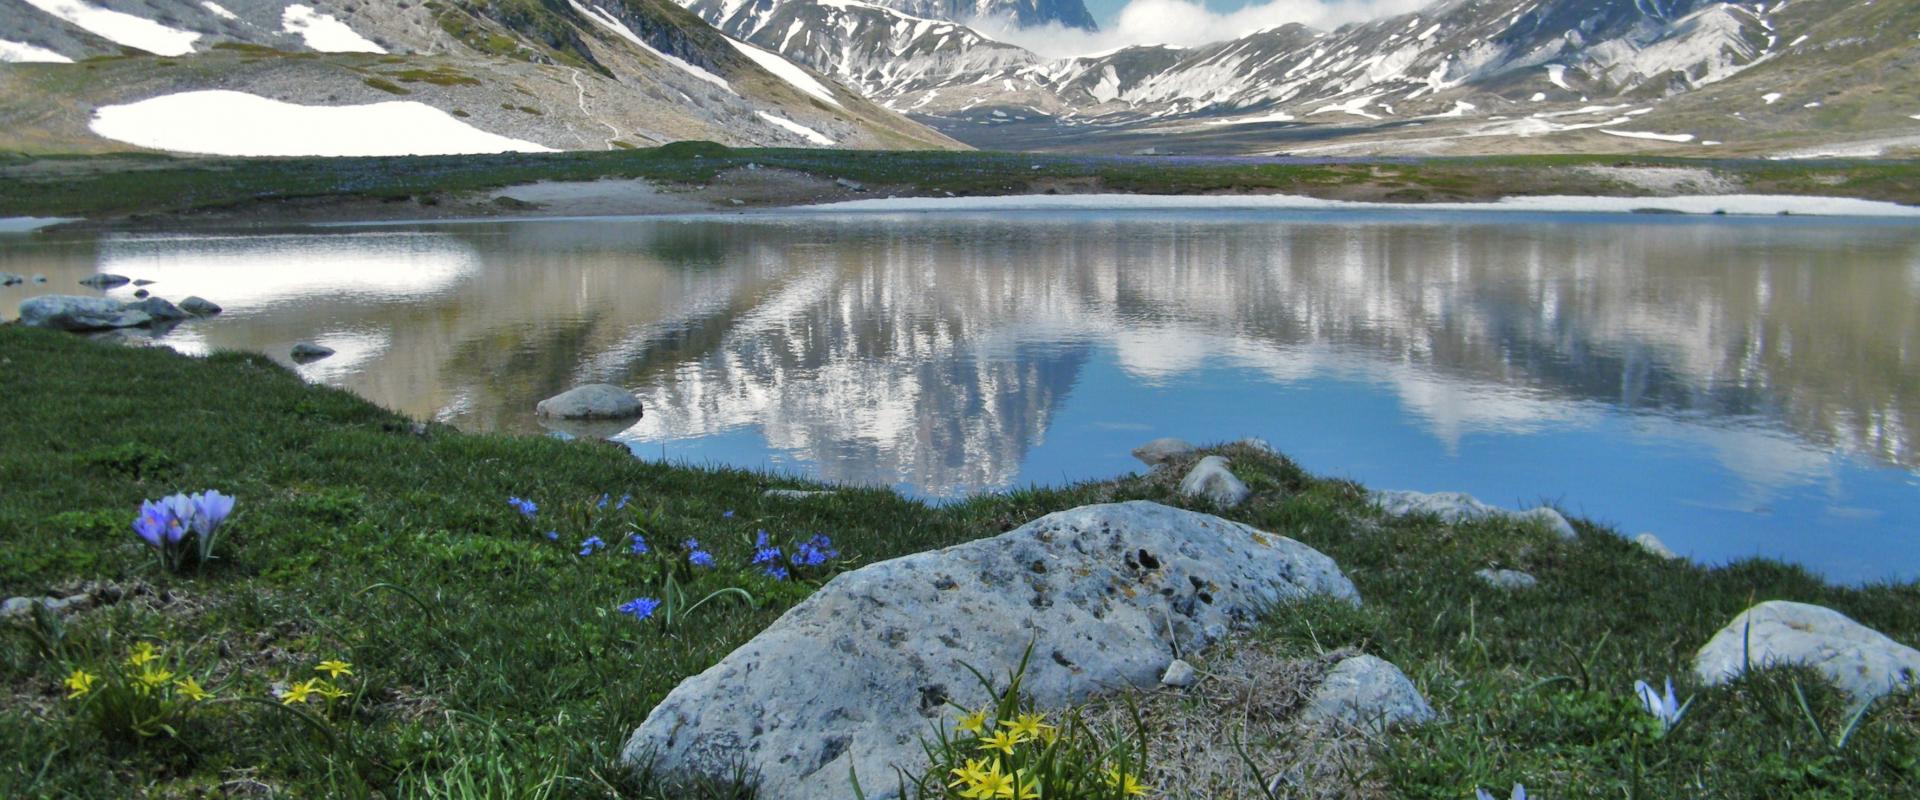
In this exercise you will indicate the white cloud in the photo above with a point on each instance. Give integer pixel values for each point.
(1184, 24)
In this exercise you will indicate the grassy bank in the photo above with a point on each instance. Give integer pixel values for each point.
(489, 661)
(129, 185)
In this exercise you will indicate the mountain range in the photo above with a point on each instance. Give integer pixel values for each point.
(1686, 77)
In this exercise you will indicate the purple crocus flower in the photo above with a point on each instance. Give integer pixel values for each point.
(640, 607)
(210, 509)
(180, 513)
(151, 525)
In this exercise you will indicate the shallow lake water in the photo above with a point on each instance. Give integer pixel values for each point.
(1737, 386)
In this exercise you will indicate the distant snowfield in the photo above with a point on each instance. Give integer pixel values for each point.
(1743, 204)
(1277, 116)
(786, 71)
(239, 124)
(324, 33)
(1677, 138)
(124, 29)
(23, 53)
(30, 224)
(805, 132)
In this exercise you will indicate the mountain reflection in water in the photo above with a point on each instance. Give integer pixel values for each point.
(1737, 386)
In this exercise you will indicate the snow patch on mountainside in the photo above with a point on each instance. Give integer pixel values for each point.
(324, 33)
(601, 17)
(1658, 137)
(122, 29)
(786, 70)
(218, 10)
(23, 53)
(803, 131)
(239, 124)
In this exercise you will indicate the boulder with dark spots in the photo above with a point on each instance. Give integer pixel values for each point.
(71, 313)
(592, 401)
(1367, 693)
(855, 676)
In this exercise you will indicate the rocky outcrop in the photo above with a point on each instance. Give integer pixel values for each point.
(72, 313)
(1160, 451)
(1210, 478)
(1367, 693)
(1860, 660)
(593, 401)
(1454, 508)
(1507, 579)
(854, 676)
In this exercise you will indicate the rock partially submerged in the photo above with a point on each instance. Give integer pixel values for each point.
(1860, 660)
(1211, 479)
(104, 280)
(304, 352)
(1454, 508)
(158, 309)
(1160, 451)
(199, 306)
(1097, 590)
(592, 401)
(1367, 693)
(72, 313)
(10, 279)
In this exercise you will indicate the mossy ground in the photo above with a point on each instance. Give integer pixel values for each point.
(120, 185)
(493, 662)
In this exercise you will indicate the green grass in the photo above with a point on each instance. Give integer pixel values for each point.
(494, 664)
(105, 186)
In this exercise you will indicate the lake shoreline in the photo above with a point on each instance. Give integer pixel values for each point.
(155, 193)
(519, 635)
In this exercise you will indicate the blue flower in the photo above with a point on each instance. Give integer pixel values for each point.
(640, 607)
(525, 507)
(156, 525)
(553, 536)
(697, 556)
(763, 553)
(814, 552)
(209, 510)
(775, 571)
(602, 503)
(639, 545)
(587, 547)
(1663, 707)
(623, 502)
(728, 514)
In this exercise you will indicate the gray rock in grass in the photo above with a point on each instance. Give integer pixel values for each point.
(1861, 661)
(1368, 693)
(1179, 675)
(1653, 545)
(1454, 508)
(592, 401)
(1507, 578)
(859, 673)
(1211, 479)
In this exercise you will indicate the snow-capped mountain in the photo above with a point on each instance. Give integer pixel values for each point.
(1591, 74)
(483, 74)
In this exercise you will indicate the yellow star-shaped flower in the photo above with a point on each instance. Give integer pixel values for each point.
(1026, 726)
(334, 668)
(973, 723)
(969, 773)
(1128, 785)
(299, 692)
(79, 683)
(1001, 740)
(190, 689)
(142, 654)
(992, 784)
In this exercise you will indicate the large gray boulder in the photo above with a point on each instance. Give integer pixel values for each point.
(1860, 660)
(1367, 693)
(1454, 508)
(71, 313)
(1210, 478)
(857, 674)
(593, 401)
(1162, 450)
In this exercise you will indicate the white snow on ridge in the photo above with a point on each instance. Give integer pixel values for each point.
(1733, 204)
(786, 71)
(122, 29)
(22, 53)
(1277, 116)
(239, 124)
(805, 132)
(1661, 137)
(1771, 97)
(610, 22)
(324, 33)
(1557, 74)
(217, 10)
